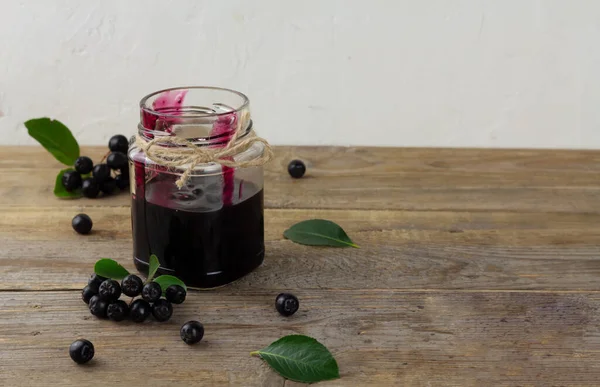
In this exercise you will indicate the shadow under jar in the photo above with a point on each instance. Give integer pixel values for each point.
(210, 231)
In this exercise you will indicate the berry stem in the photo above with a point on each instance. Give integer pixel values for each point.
(105, 156)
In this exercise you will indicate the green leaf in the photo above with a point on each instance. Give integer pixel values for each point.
(59, 189)
(301, 359)
(318, 232)
(154, 264)
(110, 268)
(55, 137)
(167, 280)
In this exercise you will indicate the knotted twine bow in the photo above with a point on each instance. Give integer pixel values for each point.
(184, 152)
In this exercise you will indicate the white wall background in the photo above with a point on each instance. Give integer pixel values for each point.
(499, 73)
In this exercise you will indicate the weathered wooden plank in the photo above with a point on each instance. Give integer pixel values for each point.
(375, 159)
(374, 178)
(400, 250)
(383, 338)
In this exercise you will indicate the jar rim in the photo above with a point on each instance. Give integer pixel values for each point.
(149, 109)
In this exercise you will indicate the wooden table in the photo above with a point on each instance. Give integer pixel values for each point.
(477, 268)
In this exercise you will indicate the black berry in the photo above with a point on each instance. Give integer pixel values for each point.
(109, 290)
(118, 143)
(81, 351)
(116, 160)
(95, 281)
(90, 188)
(98, 306)
(82, 223)
(162, 310)
(101, 172)
(87, 293)
(296, 169)
(140, 310)
(176, 294)
(84, 165)
(191, 332)
(151, 292)
(286, 304)
(71, 180)
(122, 181)
(108, 186)
(132, 285)
(117, 311)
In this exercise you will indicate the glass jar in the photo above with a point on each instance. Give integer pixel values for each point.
(210, 231)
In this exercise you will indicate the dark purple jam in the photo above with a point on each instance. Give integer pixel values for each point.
(197, 234)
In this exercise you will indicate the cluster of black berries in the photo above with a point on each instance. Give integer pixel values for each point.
(102, 296)
(102, 179)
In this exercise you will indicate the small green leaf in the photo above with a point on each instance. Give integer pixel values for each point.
(55, 137)
(59, 189)
(167, 280)
(318, 232)
(301, 359)
(110, 268)
(154, 264)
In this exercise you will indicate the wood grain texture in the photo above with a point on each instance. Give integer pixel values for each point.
(476, 268)
(379, 338)
(399, 250)
(374, 178)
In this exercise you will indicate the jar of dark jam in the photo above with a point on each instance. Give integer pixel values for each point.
(210, 231)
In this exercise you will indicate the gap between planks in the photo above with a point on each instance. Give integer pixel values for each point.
(78, 207)
(374, 290)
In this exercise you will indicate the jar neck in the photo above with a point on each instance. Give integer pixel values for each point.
(198, 134)
(201, 115)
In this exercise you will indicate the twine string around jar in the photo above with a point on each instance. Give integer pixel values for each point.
(184, 152)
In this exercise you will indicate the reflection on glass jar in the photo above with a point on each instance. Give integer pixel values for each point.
(210, 231)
